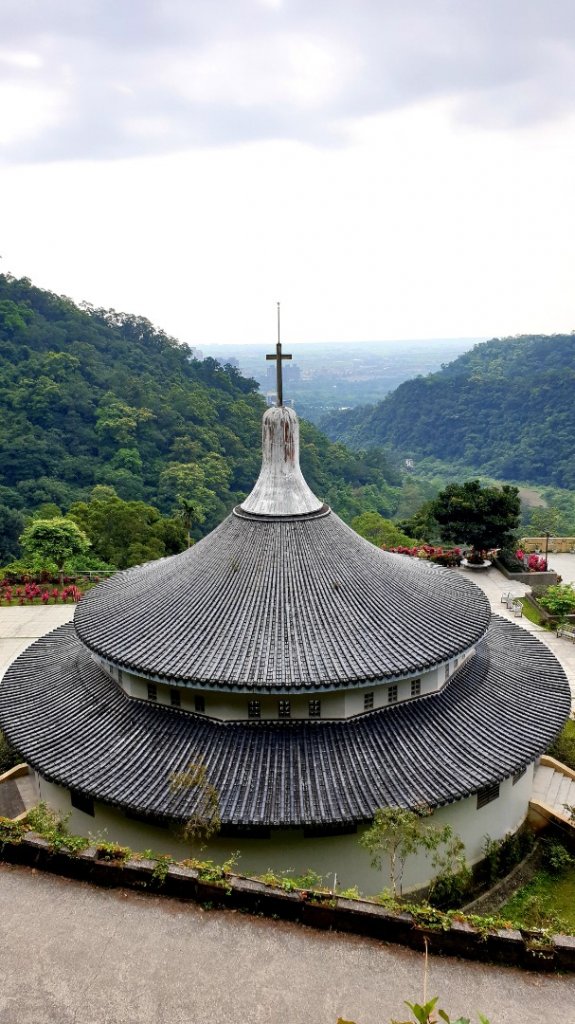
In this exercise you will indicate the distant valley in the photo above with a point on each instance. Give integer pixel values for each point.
(322, 379)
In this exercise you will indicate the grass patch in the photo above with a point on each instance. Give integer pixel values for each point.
(563, 749)
(548, 901)
(533, 615)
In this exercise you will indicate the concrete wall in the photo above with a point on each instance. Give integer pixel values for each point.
(289, 851)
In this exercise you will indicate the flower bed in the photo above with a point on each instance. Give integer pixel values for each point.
(37, 594)
(427, 552)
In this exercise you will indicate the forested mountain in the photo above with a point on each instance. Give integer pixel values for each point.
(506, 408)
(91, 396)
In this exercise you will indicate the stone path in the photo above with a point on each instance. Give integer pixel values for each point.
(74, 954)
(494, 583)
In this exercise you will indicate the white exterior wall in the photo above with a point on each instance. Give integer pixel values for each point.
(334, 705)
(289, 851)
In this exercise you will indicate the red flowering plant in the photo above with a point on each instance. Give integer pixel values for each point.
(33, 593)
(427, 552)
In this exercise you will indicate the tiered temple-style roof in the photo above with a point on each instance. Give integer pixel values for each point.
(282, 597)
(78, 728)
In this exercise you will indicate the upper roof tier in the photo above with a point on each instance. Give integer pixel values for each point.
(282, 597)
(282, 605)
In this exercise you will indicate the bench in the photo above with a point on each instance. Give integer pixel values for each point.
(567, 631)
(517, 608)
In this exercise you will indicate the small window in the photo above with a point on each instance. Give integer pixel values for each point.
(485, 796)
(392, 694)
(446, 676)
(415, 687)
(367, 701)
(82, 802)
(175, 698)
(152, 691)
(519, 775)
(314, 709)
(254, 709)
(284, 709)
(199, 704)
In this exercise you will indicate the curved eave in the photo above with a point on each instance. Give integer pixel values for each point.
(284, 606)
(77, 728)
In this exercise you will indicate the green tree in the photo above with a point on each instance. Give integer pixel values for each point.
(379, 531)
(11, 526)
(546, 520)
(125, 533)
(56, 540)
(484, 517)
(191, 514)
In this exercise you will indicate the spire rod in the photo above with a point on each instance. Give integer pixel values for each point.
(279, 356)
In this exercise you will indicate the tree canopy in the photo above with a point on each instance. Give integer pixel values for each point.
(95, 398)
(54, 540)
(484, 517)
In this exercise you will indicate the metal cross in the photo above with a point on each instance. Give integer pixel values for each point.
(279, 355)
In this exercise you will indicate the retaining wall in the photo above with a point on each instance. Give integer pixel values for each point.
(318, 910)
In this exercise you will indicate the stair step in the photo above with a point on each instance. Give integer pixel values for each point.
(563, 791)
(541, 780)
(553, 788)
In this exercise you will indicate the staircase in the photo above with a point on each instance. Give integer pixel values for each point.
(553, 787)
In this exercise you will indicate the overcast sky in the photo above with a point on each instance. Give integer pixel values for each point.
(385, 168)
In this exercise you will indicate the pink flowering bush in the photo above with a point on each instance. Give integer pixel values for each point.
(533, 563)
(537, 563)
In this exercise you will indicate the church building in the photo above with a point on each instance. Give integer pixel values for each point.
(315, 677)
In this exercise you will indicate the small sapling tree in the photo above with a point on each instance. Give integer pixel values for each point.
(397, 833)
(204, 821)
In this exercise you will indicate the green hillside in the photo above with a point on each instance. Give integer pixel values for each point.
(505, 409)
(91, 397)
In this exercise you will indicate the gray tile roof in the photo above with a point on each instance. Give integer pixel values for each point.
(286, 604)
(72, 723)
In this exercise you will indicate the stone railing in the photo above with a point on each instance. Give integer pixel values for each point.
(556, 546)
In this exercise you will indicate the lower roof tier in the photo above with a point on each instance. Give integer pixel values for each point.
(291, 605)
(73, 724)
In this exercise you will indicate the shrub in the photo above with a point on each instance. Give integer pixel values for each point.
(8, 756)
(556, 857)
(558, 600)
(511, 561)
(563, 749)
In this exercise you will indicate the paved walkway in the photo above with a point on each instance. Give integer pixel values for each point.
(494, 583)
(19, 626)
(97, 957)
